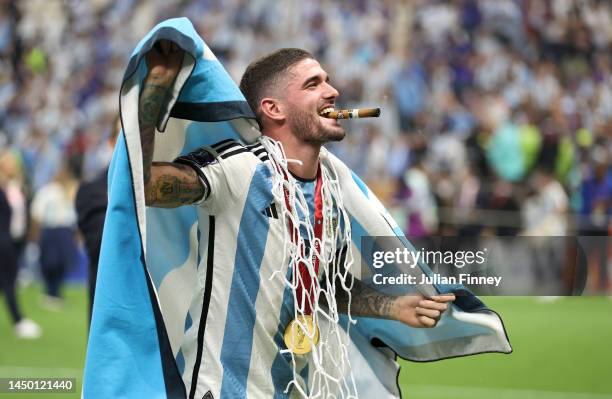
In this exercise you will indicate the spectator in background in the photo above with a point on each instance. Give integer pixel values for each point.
(545, 212)
(24, 328)
(511, 82)
(410, 92)
(54, 219)
(419, 201)
(545, 220)
(596, 211)
(14, 187)
(596, 193)
(91, 203)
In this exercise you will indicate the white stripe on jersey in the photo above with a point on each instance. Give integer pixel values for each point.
(267, 306)
(211, 371)
(227, 223)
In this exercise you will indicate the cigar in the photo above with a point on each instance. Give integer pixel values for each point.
(353, 113)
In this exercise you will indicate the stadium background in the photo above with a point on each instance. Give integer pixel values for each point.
(496, 120)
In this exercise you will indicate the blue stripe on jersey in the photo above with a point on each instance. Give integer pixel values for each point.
(251, 243)
(308, 189)
(188, 322)
(281, 367)
(304, 375)
(180, 362)
(357, 231)
(362, 186)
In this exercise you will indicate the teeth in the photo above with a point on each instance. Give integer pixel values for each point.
(326, 110)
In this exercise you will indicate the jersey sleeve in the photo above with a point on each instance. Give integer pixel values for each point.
(211, 175)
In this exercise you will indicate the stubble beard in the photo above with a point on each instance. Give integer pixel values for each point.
(308, 128)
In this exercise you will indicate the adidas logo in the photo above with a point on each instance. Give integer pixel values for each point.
(270, 211)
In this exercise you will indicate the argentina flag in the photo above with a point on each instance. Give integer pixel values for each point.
(186, 307)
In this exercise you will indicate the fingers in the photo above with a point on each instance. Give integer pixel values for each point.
(437, 302)
(428, 304)
(443, 298)
(432, 313)
(429, 311)
(426, 321)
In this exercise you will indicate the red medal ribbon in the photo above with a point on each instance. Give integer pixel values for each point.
(305, 287)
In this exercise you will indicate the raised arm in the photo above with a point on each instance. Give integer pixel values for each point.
(167, 184)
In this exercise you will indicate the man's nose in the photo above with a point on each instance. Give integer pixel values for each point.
(330, 91)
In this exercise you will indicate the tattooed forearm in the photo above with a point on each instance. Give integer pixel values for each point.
(152, 98)
(172, 185)
(154, 95)
(167, 185)
(365, 302)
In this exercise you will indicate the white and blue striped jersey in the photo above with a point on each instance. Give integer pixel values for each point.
(238, 313)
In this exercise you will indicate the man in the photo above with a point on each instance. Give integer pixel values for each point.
(246, 293)
(288, 91)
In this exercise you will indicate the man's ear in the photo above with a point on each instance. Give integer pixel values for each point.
(272, 109)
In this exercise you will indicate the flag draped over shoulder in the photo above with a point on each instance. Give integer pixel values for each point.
(129, 352)
(149, 257)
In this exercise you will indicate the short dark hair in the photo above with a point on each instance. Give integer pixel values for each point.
(265, 72)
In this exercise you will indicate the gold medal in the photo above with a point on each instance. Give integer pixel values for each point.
(296, 339)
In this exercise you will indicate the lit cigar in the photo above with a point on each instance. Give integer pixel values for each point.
(352, 113)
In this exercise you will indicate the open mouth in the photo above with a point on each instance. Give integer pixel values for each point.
(326, 111)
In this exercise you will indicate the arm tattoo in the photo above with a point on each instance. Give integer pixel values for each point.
(152, 98)
(172, 185)
(365, 301)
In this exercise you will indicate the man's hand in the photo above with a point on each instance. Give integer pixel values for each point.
(418, 311)
(164, 61)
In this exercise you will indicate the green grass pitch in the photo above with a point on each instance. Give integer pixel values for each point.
(562, 350)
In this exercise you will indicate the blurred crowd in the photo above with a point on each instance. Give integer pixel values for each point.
(496, 115)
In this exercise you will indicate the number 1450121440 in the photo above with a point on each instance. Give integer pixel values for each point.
(40, 385)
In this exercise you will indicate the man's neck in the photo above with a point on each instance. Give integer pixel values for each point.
(306, 153)
(309, 156)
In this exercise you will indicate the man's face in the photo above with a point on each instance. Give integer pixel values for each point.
(308, 93)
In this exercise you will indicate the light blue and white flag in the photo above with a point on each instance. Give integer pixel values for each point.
(185, 305)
